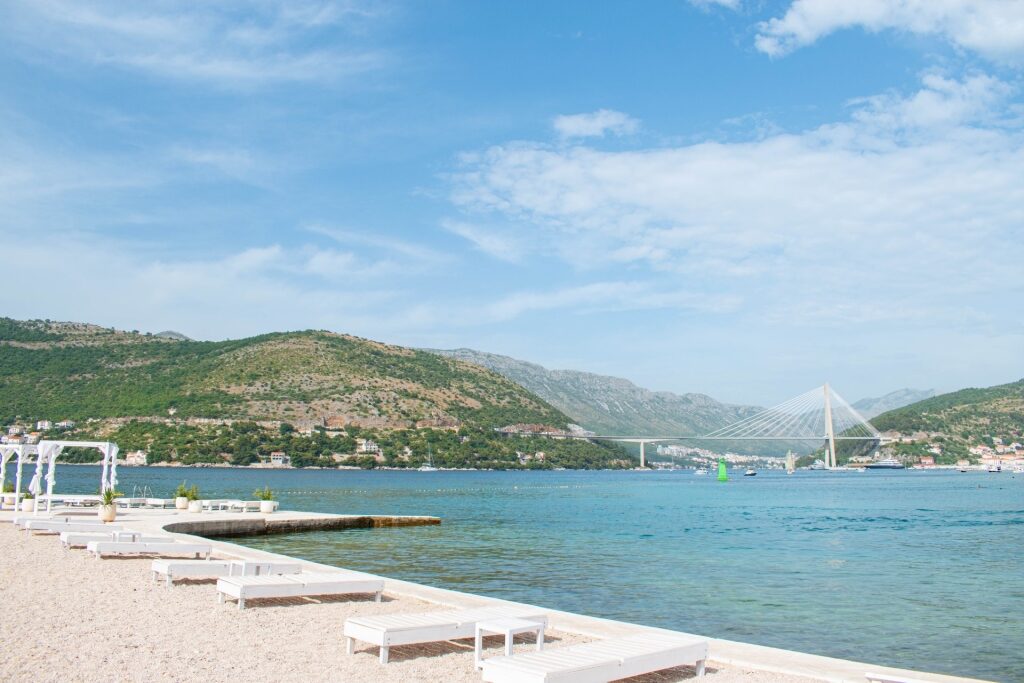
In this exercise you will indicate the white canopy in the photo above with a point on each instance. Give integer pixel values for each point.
(46, 456)
(24, 451)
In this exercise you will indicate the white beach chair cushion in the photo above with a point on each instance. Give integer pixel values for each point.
(76, 538)
(100, 548)
(428, 627)
(306, 584)
(172, 569)
(600, 661)
(56, 527)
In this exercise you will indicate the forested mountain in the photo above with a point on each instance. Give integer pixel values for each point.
(965, 416)
(195, 401)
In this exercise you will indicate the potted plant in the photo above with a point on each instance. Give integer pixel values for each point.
(108, 505)
(194, 502)
(181, 497)
(266, 498)
(27, 501)
(8, 499)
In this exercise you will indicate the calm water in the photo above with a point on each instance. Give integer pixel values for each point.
(915, 569)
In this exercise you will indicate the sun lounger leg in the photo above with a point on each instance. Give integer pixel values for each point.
(220, 598)
(540, 639)
(700, 667)
(350, 646)
(170, 583)
(383, 654)
(377, 599)
(241, 603)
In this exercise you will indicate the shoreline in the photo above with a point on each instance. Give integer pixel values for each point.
(731, 660)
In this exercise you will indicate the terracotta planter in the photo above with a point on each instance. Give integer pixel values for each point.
(27, 505)
(266, 506)
(195, 506)
(107, 513)
(181, 503)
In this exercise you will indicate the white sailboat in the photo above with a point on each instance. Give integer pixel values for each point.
(790, 462)
(429, 465)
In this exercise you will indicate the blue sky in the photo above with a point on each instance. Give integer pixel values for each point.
(742, 197)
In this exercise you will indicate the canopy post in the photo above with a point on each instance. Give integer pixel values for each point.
(111, 451)
(17, 479)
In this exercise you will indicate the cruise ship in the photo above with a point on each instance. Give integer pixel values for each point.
(885, 464)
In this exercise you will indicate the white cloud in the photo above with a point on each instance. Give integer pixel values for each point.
(994, 28)
(389, 247)
(888, 211)
(500, 245)
(595, 124)
(604, 297)
(206, 42)
(707, 4)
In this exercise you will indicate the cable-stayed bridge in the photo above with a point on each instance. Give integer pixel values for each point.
(819, 414)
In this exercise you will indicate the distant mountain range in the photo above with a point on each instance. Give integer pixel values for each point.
(611, 405)
(871, 407)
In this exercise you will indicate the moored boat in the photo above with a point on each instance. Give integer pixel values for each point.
(889, 463)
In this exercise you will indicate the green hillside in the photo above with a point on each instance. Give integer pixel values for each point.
(149, 390)
(960, 419)
(62, 370)
(966, 414)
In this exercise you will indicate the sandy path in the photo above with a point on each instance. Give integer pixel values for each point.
(69, 617)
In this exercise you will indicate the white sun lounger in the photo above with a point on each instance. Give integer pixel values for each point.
(194, 569)
(22, 520)
(428, 627)
(600, 661)
(101, 548)
(71, 539)
(56, 527)
(306, 584)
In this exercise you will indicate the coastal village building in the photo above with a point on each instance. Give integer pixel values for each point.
(367, 446)
(136, 458)
(277, 459)
(43, 425)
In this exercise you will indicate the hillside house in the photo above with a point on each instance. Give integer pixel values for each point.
(277, 459)
(43, 425)
(367, 446)
(136, 458)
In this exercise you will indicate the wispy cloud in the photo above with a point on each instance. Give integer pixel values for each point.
(595, 124)
(501, 245)
(606, 297)
(277, 41)
(994, 28)
(908, 190)
(419, 253)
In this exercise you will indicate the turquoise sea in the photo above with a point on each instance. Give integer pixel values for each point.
(914, 569)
